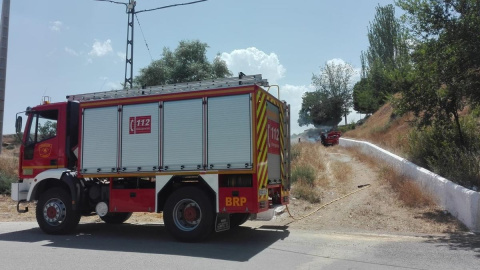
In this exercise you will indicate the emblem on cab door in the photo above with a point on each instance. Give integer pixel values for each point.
(45, 150)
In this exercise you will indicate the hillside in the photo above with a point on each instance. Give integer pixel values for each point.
(385, 129)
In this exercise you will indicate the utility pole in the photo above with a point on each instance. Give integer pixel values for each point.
(3, 61)
(131, 13)
(129, 55)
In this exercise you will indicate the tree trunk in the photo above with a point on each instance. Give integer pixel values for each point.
(459, 128)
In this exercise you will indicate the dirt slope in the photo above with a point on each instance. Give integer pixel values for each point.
(385, 129)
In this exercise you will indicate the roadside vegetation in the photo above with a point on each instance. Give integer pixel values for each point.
(8, 164)
(313, 172)
(419, 80)
(434, 147)
(308, 171)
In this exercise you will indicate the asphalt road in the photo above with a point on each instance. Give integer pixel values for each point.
(129, 246)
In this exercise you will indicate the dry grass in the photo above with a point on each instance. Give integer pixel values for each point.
(408, 192)
(9, 156)
(304, 191)
(308, 160)
(9, 164)
(384, 130)
(311, 155)
(357, 153)
(340, 171)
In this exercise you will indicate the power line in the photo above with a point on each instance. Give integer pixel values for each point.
(174, 5)
(130, 10)
(144, 39)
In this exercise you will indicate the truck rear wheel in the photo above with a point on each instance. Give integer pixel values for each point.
(189, 214)
(116, 218)
(54, 212)
(238, 219)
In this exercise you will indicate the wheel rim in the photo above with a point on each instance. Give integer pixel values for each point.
(187, 215)
(54, 212)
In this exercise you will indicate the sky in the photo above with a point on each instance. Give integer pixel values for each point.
(57, 47)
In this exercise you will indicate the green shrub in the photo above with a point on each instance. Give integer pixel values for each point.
(5, 182)
(346, 128)
(302, 190)
(304, 173)
(439, 149)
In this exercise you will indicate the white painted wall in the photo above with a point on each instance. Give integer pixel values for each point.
(457, 200)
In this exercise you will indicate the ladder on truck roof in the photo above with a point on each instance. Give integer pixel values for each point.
(241, 80)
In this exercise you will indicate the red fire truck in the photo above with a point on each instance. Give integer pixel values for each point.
(207, 154)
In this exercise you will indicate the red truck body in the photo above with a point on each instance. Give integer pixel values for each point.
(209, 155)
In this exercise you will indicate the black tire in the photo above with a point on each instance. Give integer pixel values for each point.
(54, 212)
(238, 219)
(116, 218)
(189, 214)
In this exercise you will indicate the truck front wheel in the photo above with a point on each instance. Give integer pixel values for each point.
(54, 212)
(189, 214)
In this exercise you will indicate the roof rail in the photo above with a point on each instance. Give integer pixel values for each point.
(241, 80)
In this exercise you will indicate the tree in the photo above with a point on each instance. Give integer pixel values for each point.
(387, 39)
(331, 99)
(364, 99)
(385, 61)
(47, 130)
(447, 63)
(187, 63)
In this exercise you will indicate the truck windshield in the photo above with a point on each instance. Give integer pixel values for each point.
(43, 126)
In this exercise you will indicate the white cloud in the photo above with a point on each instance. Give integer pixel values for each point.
(101, 48)
(57, 26)
(71, 51)
(336, 61)
(253, 61)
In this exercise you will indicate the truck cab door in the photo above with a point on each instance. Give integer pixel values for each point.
(41, 147)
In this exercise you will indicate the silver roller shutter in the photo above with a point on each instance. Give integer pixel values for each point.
(182, 145)
(99, 140)
(140, 139)
(229, 132)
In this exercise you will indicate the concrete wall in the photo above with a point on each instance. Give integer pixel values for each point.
(457, 200)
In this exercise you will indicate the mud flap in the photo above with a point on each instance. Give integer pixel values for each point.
(222, 223)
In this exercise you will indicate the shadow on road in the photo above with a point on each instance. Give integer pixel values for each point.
(458, 241)
(240, 244)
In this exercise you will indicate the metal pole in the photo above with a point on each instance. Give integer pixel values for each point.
(3, 61)
(129, 52)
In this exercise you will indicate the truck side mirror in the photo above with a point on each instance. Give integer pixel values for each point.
(18, 125)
